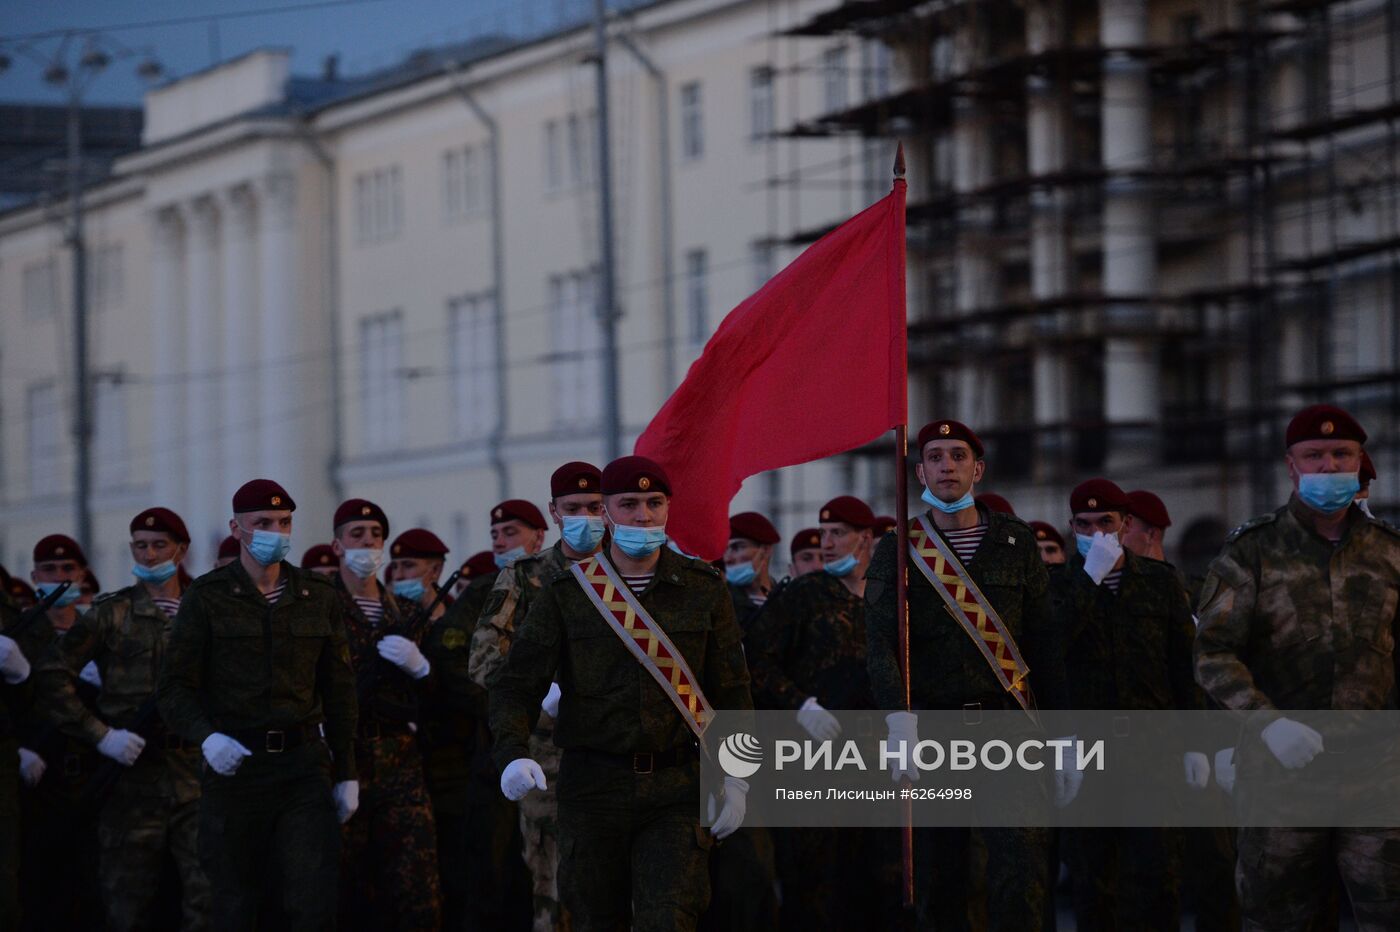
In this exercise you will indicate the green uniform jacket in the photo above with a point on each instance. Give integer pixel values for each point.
(235, 662)
(507, 603)
(810, 642)
(946, 668)
(1291, 621)
(1130, 649)
(609, 702)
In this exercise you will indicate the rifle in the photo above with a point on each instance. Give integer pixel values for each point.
(36, 611)
(411, 629)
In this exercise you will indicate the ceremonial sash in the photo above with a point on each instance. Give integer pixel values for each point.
(643, 637)
(950, 579)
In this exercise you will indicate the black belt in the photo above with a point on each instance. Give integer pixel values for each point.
(642, 761)
(372, 731)
(275, 740)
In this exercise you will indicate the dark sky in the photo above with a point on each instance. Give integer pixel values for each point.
(367, 34)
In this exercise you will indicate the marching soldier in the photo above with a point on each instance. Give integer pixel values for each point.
(477, 572)
(1145, 526)
(1050, 544)
(882, 526)
(228, 552)
(949, 671)
(747, 561)
(257, 673)
(1308, 587)
(805, 552)
(1128, 634)
(389, 869)
(321, 559)
(631, 850)
(151, 810)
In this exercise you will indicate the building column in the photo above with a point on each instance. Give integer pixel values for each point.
(202, 421)
(278, 329)
(240, 437)
(166, 444)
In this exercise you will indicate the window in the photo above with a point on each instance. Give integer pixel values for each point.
(692, 122)
(876, 71)
(573, 301)
(553, 156)
(761, 117)
(40, 288)
(762, 256)
(472, 325)
(462, 182)
(834, 79)
(106, 278)
(697, 295)
(44, 434)
(381, 380)
(578, 150)
(378, 205)
(109, 432)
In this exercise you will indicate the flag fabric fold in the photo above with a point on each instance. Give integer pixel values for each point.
(811, 365)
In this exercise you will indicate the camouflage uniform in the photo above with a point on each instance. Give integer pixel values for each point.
(1129, 649)
(153, 808)
(388, 862)
(1290, 620)
(275, 677)
(484, 882)
(948, 672)
(508, 603)
(629, 778)
(746, 610)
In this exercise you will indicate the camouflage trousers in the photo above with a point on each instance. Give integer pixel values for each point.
(1285, 876)
(153, 811)
(539, 829)
(389, 866)
(1125, 878)
(1018, 880)
(743, 884)
(839, 878)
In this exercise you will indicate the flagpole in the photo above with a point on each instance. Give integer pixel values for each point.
(901, 604)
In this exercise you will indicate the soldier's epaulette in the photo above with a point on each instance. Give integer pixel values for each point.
(695, 563)
(563, 572)
(1385, 525)
(1251, 525)
(320, 580)
(109, 596)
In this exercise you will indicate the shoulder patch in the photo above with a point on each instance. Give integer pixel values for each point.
(1250, 525)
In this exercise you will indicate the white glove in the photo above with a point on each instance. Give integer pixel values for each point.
(90, 675)
(904, 728)
(1068, 776)
(121, 746)
(550, 703)
(14, 666)
(820, 723)
(1293, 743)
(520, 777)
(347, 799)
(405, 655)
(1225, 769)
(1197, 770)
(31, 767)
(1102, 556)
(736, 804)
(224, 754)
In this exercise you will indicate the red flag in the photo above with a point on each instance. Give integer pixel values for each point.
(812, 365)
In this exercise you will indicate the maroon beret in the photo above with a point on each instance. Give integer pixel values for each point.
(360, 509)
(809, 538)
(573, 478)
(90, 583)
(1147, 507)
(849, 509)
(262, 495)
(634, 474)
(58, 547)
(1098, 495)
(884, 524)
(1046, 531)
(1323, 422)
(517, 509)
(228, 548)
(750, 525)
(319, 555)
(479, 564)
(418, 543)
(21, 591)
(995, 502)
(161, 519)
(1367, 474)
(949, 430)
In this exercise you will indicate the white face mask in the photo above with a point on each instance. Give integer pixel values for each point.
(364, 562)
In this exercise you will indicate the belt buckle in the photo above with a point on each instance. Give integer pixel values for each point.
(972, 713)
(277, 744)
(1120, 726)
(637, 759)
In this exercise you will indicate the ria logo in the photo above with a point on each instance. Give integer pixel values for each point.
(740, 755)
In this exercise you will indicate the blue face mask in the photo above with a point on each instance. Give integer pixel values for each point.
(740, 574)
(638, 542)
(1083, 542)
(364, 562)
(841, 567)
(935, 502)
(582, 532)
(1328, 492)
(73, 594)
(411, 589)
(504, 560)
(269, 547)
(154, 575)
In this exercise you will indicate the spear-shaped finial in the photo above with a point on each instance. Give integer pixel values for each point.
(899, 163)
